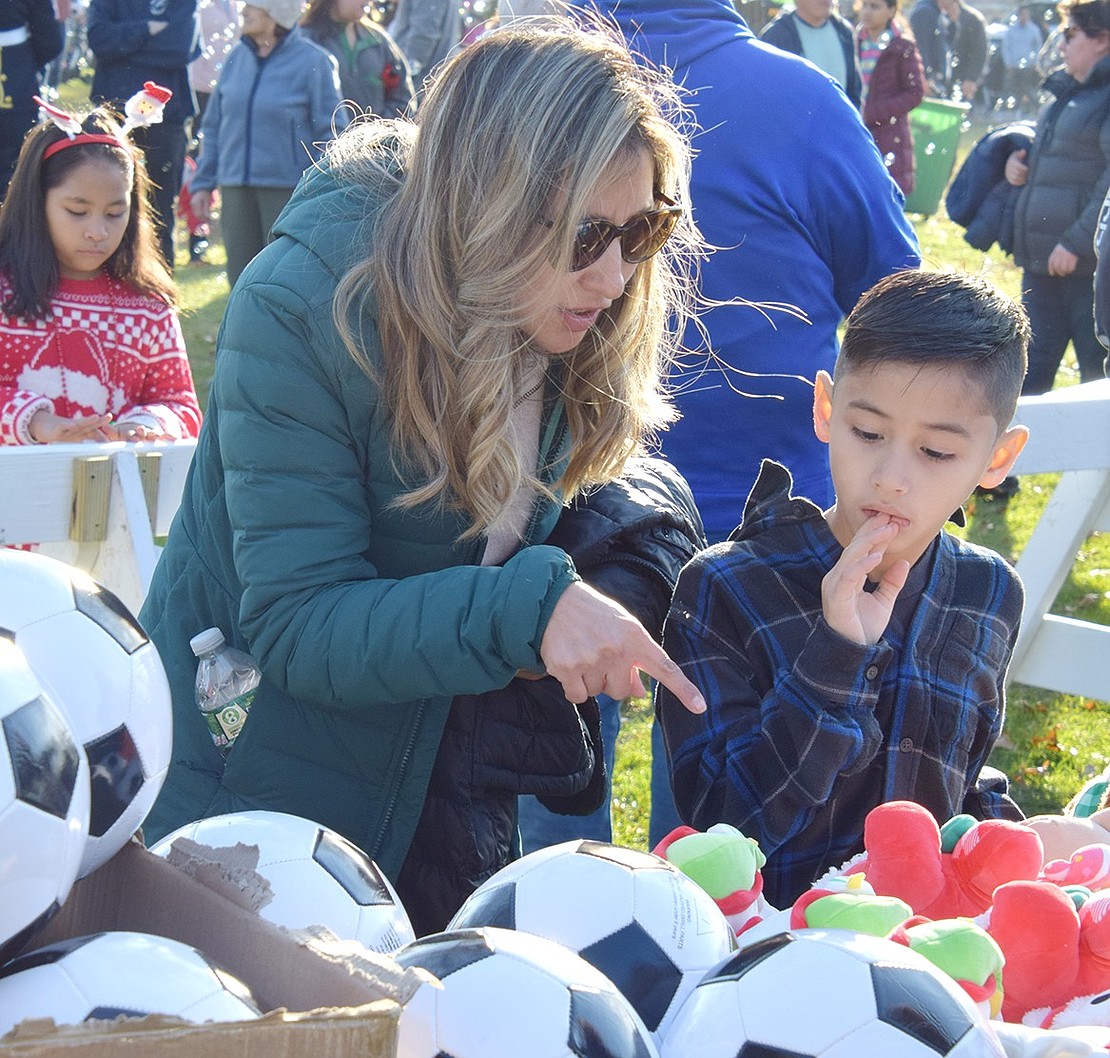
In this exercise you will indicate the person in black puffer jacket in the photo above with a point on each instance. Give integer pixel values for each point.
(1063, 180)
(629, 539)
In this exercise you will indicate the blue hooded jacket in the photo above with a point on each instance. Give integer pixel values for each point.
(788, 182)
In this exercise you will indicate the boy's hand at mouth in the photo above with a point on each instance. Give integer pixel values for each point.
(851, 610)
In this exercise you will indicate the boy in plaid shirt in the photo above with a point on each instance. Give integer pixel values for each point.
(858, 655)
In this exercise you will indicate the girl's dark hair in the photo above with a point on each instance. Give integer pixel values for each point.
(318, 13)
(942, 319)
(27, 254)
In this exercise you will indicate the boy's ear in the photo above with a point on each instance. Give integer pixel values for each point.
(1006, 450)
(822, 405)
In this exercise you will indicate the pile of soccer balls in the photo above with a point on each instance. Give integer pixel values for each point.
(85, 741)
(85, 734)
(669, 952)
(584, 949)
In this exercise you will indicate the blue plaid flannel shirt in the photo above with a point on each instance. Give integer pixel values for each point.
(807, 731)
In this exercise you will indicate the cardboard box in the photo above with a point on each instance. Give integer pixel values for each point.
(324, 997)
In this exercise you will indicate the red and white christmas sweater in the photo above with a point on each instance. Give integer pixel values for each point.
(103, 347)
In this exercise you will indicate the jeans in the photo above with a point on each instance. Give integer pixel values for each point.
(1061, 309)
(664, 814)
(540, 827)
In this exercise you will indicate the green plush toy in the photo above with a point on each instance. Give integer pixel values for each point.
(965, 952)
(726, 864)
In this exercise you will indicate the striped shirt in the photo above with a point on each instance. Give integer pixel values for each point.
(806, 730)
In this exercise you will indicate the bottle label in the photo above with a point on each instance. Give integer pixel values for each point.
(225, 723)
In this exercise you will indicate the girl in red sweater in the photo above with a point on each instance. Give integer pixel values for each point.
(91, 348)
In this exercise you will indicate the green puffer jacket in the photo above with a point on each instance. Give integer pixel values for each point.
(364, 619)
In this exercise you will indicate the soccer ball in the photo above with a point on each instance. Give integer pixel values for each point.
(500, 994)
(104, 975)
(105, 674)
(828, 994)
(44, 803)
(643, 923)
(316, 876)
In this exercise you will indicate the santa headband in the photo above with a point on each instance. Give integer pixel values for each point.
(143, 108)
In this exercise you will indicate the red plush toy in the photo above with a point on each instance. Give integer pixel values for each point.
(1053, 951)
(943, 873)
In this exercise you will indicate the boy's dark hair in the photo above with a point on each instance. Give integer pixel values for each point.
(26, 252)
(942, 319)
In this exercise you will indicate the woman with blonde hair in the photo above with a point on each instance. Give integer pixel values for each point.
(462, 324)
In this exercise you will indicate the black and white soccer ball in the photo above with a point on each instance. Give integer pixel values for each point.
(648, 927)
(316, 876)
(105, 674)
(44, 803)
(501, 994)
(816, 993)
(104, 975)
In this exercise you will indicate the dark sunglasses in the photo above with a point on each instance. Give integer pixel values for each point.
(642, 237)
(1071, 32)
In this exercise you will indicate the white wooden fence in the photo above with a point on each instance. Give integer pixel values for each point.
(1069, 432)
(110, 501)
(97, 506)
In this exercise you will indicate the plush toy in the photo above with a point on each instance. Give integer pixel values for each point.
(1023, 1041)
(964, 951)
(848, 902)
(1088, 866)
(943, 873)
(1083, 1010)
(1063, 835)
(726, 864)
(1085, 820)
(1054, 950)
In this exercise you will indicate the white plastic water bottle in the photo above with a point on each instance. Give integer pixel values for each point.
(225, 687)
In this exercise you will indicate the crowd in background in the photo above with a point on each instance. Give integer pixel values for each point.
(886, 60)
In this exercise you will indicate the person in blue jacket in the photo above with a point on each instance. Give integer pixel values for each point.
(267, 121)
(787, 182)
(134, 41)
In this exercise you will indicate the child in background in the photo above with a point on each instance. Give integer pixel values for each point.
(859, 655)
(91, 348)
(198, 227)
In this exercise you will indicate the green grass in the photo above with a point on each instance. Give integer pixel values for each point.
(1052, 742)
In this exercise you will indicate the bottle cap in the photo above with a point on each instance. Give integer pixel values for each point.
(207, 640)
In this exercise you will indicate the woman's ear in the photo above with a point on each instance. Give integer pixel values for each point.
(822, 405)
(1006, 450)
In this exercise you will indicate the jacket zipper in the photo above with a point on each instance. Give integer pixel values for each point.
(391, 804)
(250, 123)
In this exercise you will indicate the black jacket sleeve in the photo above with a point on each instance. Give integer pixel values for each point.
(630, 539)
(1102, 275)
(47, 33)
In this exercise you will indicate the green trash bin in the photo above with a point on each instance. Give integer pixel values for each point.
(936, 125)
